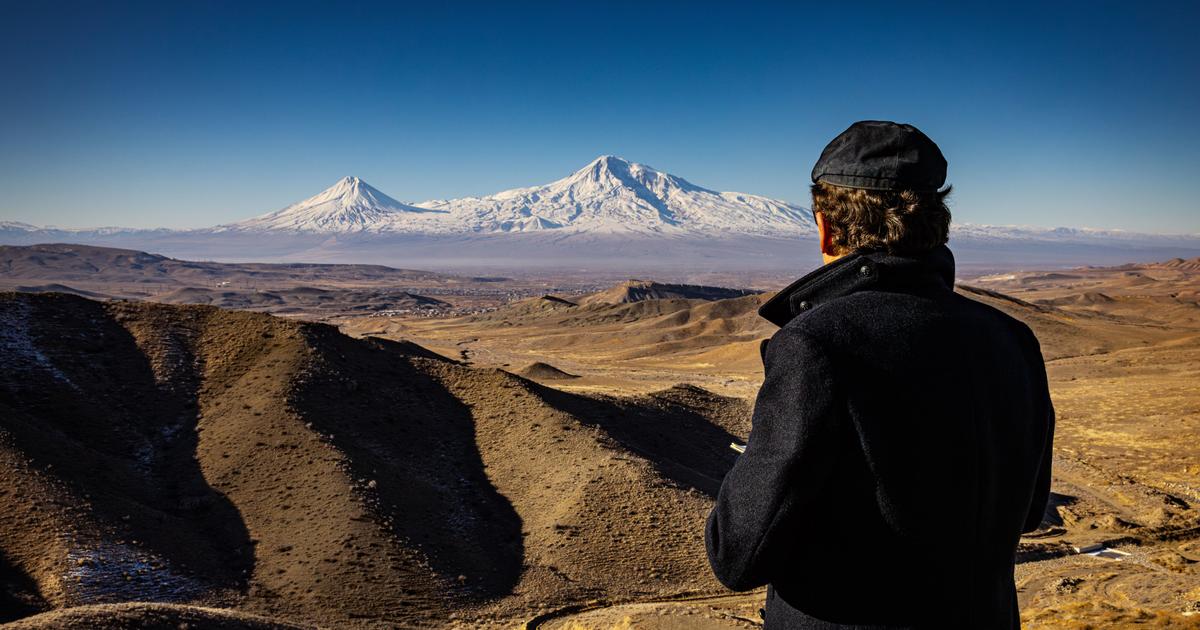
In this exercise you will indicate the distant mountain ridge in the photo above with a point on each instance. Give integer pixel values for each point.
(611, 214)
(609, 195)
(68, 263)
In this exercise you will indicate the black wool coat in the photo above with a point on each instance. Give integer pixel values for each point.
(901, 444)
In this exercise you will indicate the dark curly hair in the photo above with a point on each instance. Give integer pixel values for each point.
(897, 222)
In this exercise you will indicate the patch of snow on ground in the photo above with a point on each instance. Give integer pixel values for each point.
(112, 572)
(18, 352)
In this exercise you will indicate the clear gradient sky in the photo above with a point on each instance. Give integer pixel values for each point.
(189, 114)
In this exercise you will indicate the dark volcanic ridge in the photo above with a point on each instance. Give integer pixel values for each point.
(639, 290)
(234, 460)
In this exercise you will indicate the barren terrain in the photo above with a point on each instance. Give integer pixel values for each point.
(1122, 347)
(546, 460)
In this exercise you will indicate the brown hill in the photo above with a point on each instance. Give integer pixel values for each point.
(663, 330)
(65, 262)
(1190, 264)
(60, 288)
(539, 371)
(141, 616)
(1069, 333)
(157, 453)
(533, 306)
(638, 290)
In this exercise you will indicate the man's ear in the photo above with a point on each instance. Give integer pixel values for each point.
(824, 235)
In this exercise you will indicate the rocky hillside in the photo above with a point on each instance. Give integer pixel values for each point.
(191, 455)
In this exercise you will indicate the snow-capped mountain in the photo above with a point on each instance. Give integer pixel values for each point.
(22, 229)
(608, 196)
(981, 232)
(350, 205)
(612, 195)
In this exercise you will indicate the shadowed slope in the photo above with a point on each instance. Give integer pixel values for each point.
(157, 453)
(611, 492)
(87, 400)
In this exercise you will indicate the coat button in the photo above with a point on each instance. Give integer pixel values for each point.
(804, 306)
(865, 270)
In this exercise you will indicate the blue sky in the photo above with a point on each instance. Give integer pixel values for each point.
(188, 114)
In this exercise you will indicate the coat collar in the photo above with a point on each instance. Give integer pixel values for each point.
(857, 272)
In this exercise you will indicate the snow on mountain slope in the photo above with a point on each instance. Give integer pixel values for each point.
(608, 196)
(350, 205)
(612, 195)
(17, 226)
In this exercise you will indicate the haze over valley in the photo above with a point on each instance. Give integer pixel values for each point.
(611, 216)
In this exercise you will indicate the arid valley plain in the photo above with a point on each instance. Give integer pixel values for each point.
(276, 446)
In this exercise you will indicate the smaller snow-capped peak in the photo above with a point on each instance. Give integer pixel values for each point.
(350, 205)
(352, 192)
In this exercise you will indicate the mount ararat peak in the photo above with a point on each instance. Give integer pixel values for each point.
(613, 195)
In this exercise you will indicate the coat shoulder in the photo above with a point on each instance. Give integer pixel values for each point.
(841, 320)
(1020, 329)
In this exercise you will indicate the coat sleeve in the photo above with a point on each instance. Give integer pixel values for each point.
(787, 461)
(1041, 488)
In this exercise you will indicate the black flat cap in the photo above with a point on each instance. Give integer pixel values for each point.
(882, 155)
